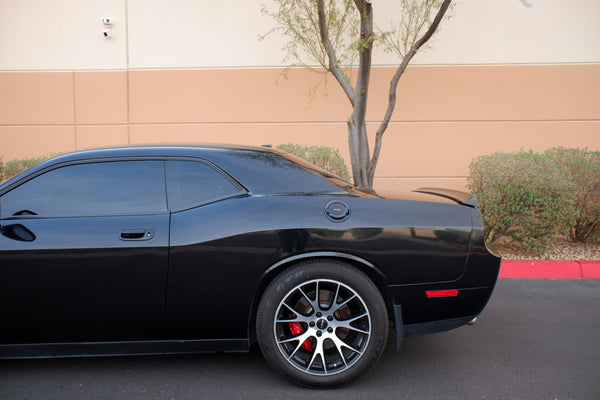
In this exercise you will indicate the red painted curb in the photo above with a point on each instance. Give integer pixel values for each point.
(590, 269)
(561, 269)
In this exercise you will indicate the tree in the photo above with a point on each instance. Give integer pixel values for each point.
(332, 34)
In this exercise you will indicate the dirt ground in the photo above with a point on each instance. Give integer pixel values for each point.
(560, 249)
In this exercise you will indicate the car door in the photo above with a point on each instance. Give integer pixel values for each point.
(197, 307)
(84, 253)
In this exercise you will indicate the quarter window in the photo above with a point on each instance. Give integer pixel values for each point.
(190, 183)
(102, 188)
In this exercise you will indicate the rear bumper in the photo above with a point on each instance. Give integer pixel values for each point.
(423, 315)
(426, 328)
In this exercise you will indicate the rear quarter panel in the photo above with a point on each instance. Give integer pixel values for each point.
(410, 241)
(220, 251)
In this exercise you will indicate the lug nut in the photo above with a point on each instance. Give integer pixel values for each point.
(330, 330)
(311, 324)
(329, 318)
(319, 333)
(319, 315)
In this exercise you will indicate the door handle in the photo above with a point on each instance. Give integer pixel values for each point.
(137, 234)
(17, 232)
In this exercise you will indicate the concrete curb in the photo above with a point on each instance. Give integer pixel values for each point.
(560, 269)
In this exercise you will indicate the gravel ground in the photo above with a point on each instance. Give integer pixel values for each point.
(560, 249)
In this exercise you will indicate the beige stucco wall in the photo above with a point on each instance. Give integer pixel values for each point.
(503, 75)
(67, 34)
(61, 35)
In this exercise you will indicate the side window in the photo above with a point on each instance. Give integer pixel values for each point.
(102, 188)
(190, 183)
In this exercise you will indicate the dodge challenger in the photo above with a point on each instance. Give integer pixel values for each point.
(189, 249)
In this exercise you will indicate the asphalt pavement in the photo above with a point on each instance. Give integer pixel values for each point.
(537, 339)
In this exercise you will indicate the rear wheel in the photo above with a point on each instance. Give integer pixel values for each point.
(322, 323)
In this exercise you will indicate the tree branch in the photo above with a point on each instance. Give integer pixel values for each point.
(364, 67)
(394, 85)
(334, 67)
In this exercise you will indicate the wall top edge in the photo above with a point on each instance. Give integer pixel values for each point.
(275, 67)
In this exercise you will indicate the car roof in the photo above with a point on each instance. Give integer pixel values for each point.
(184, 149)
(262, 170)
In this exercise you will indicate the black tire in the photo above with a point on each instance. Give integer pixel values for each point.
(326, 340)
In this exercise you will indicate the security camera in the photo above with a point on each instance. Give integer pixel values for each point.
(106, 33)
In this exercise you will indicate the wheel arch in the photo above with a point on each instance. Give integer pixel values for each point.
(372, 272)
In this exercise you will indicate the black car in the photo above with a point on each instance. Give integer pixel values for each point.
(186, 249)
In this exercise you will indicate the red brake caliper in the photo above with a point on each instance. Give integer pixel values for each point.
(296, 329)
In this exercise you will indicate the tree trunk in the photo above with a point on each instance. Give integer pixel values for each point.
(359, 154)
(357, 129)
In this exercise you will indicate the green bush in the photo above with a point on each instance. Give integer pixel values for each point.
(583, 167)
(525, 198)
(322, 156)
(15, 167)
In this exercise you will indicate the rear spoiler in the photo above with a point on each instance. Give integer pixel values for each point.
(463, 198)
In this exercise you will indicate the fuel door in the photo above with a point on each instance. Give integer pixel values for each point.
(337, 211)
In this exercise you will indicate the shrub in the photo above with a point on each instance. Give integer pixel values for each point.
(524, 197)
(322, 156)
(583, 167)
(15, 167)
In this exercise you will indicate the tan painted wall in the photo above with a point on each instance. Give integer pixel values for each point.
(446, 115)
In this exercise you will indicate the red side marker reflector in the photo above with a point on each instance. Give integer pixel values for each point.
(441, 293)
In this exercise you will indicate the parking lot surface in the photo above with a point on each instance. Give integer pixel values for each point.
(537, 339)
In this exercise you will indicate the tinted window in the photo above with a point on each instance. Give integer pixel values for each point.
(266, 172)
(106, 188)
(190, 183)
